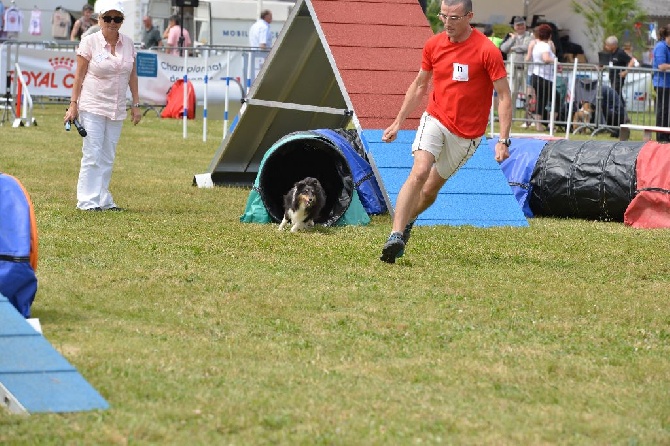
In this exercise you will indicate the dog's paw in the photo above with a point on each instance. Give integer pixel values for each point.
(297, 227)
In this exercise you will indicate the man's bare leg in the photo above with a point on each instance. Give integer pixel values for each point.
(411, 191)
(416, 195)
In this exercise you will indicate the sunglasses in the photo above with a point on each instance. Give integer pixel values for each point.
(110, 19)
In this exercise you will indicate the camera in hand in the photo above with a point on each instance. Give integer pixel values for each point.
(78, 126)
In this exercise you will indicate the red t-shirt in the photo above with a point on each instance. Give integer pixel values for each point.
(463, 75)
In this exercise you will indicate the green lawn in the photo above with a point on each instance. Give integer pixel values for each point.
(200, 330)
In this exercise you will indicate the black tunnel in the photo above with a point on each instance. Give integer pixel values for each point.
(594, 180)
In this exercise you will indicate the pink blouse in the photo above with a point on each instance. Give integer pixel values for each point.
(103, 91)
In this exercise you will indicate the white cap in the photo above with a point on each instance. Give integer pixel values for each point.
(104, 6)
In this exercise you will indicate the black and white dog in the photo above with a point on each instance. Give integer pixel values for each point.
(303, 203)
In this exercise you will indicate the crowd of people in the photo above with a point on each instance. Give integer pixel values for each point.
(175, 37)
(531, 56)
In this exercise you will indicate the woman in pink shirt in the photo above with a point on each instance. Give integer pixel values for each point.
(105, 71)
(173, 34)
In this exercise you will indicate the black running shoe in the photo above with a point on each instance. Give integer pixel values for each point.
(392, 248)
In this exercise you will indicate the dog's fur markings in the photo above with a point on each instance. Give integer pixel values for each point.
(303, 203)
(583, 116)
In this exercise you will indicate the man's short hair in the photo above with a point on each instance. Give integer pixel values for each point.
(265, 13)
(612, 40)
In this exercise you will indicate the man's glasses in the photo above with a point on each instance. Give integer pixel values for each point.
(110, 19)
(452, 18)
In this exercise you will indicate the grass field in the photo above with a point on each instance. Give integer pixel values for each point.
(198, 329)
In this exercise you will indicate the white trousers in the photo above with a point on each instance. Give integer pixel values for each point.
(98, 152)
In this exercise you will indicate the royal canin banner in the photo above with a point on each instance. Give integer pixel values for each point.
(51, 73)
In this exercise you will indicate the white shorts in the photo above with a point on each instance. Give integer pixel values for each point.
(450, 151)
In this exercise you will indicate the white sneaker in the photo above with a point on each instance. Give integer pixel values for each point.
(524, 125)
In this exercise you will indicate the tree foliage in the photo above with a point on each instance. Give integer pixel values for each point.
(432, 8)
(609, 18)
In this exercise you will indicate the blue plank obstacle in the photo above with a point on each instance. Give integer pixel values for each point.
(34, 377)
(478, 194)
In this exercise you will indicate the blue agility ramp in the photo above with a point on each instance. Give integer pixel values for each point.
(478, 194)
(34, 377)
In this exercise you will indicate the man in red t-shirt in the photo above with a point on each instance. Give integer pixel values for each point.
(465, 67)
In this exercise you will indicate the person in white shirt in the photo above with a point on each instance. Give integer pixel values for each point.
(260, 35)
(543, 73)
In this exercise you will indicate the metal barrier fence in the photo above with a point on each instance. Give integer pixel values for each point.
(581, 98)
(547, 97)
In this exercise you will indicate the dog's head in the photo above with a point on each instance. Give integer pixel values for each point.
(307, 190)
(587, 107)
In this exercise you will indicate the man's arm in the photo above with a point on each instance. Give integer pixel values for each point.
(507, 43)
(415, 93)
(504, 116)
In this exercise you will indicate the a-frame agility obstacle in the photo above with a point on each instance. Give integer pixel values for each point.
(34, 377)
(348, 63)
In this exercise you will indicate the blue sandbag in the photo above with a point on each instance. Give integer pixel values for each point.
(518, 168)
(18, 245)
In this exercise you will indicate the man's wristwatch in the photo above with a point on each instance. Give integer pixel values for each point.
(506, 141)
(136, 105)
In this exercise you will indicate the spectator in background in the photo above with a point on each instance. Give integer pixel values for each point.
(151, 36)
(488, 32)
(661, 81)
(83, 23)
(173, 35)
(618, 58)
(543, 73)
(516, 46)
(260, 35)
(628, 48)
